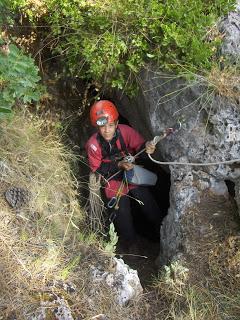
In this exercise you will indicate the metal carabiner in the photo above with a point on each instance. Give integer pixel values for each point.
(112, 202)
(113, 216)
(129, 159)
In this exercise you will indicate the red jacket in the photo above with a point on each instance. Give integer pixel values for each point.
(133, 141)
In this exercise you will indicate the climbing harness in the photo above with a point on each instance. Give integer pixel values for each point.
(113, 203)
(138, 175)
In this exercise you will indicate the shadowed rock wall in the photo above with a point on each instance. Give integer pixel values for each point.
(210, 133)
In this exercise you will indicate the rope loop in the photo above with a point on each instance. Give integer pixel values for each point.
(194, 164)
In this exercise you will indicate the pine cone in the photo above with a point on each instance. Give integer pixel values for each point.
(17, 197)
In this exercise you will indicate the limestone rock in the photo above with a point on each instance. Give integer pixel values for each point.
(238, 5)
(59, 309)
(4, 169)
(62, 311)
(122, 280)
(230, 28)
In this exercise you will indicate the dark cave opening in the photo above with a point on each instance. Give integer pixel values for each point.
(160, 193)
(232, 195)
(143, 256)
(231, 188)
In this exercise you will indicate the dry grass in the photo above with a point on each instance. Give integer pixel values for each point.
(40, 164)
(33, 238)
(216, 300)
(225, 82)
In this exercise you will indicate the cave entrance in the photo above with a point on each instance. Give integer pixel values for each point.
(160, 193)
(143, 260)
(231, 188)
(232, 197)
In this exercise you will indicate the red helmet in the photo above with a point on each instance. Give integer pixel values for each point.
(102, 112)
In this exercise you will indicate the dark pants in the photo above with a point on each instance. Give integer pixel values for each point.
(123, 219)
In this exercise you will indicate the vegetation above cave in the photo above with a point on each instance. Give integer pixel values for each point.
(110, 41)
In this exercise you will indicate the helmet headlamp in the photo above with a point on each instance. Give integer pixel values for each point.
(102, 121)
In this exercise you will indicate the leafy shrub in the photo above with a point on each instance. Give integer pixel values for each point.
(112, 40)
(6, 16)
(18, 78)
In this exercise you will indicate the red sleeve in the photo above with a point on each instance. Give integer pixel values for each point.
(94, 154)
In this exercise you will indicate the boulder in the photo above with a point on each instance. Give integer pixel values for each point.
(122, 280)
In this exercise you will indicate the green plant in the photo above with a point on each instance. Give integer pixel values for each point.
(19, 79)
(66, 271)
(6, 15)
(112, 40)
(174, 277)
(110, 247)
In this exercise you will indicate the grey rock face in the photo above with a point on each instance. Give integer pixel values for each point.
(58, 307)
(230, 28)
(210, 133)
(4, 170)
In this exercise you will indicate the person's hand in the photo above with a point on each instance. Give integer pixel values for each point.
(125, 165)
(150, 147)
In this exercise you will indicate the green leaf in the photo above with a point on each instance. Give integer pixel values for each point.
(5, 110)
(96, 37)
(150, 55)
(111, 245)
(66, 271)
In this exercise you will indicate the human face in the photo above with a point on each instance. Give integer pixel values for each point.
(107, 131)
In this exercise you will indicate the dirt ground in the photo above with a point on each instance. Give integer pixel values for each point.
(211, 228)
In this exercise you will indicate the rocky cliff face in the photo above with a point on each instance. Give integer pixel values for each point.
(230, 28)
(210, 133)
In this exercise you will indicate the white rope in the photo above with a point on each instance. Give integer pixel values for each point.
(193, 163)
